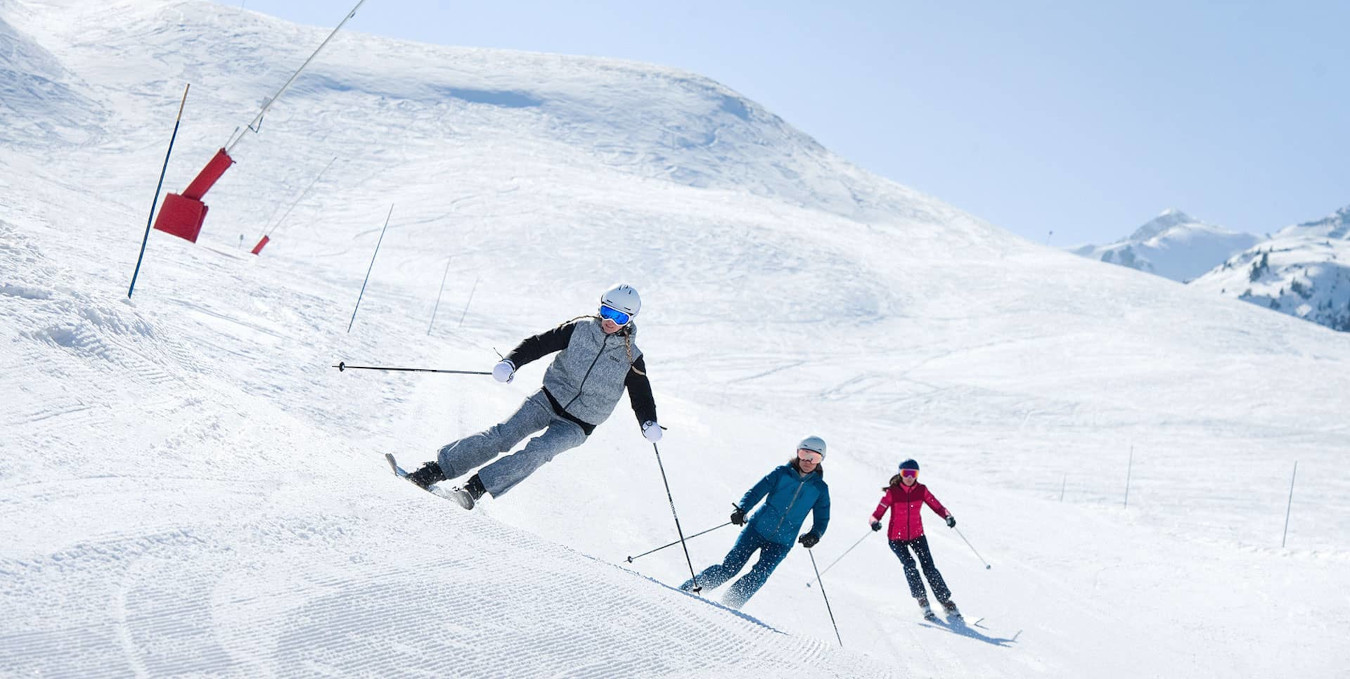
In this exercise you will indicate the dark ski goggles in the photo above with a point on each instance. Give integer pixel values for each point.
(910, 473)
(612, 314)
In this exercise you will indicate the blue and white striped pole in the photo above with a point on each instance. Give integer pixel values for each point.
(158, 187)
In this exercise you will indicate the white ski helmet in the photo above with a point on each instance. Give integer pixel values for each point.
(814, 444)
(623, 298)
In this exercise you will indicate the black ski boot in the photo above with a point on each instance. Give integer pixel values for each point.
(428, 475)
(927, 611)
(469, 494)
(949, 607)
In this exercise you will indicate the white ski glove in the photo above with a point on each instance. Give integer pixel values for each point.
(651, 431)
(505, 371)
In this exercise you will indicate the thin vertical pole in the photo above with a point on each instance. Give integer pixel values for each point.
(466, 304)
(158, 187)
(1290, 506)
(1128, 469)
(372, 268)
(1064, 484)
(304, 193)
(438, 295)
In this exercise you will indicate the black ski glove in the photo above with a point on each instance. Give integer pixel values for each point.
(876, 525)
(738, 516)
(808, 540)
(951, 521)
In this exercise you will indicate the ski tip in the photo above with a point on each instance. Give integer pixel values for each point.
(393, 465)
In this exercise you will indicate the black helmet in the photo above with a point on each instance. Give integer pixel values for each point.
(909, 464)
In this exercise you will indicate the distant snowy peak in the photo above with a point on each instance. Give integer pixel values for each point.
(1169, 218)
(1173, 245)
(1303, 271)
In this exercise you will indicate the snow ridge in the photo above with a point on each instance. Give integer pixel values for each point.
(1303, 271)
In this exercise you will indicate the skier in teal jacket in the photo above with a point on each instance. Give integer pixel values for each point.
(789, 492)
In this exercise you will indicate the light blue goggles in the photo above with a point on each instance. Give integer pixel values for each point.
(615, 315)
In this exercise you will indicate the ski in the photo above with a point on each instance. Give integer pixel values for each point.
(393, 464)
(434, 490)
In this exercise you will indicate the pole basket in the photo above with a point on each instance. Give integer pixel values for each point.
(258, 248)
(181, 216)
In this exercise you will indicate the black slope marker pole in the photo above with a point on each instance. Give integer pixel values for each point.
(678, 530)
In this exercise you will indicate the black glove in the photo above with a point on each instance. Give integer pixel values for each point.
(809, 540)
(738, 516)
(951, 521)
(876, 525)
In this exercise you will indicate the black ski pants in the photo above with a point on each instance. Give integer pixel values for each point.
(930, 571)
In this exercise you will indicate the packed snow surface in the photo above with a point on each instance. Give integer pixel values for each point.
(189, 487)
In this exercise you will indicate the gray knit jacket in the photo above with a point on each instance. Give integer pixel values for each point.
(591, 371)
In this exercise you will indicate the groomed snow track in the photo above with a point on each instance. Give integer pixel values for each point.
(349, 590)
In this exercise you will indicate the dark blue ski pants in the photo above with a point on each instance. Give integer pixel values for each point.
(770, 555)
(930, 571)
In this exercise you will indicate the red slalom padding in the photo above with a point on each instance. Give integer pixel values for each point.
(208, 176)
(181, 217)
(258, 248)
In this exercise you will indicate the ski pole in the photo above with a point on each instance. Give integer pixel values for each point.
(691, 537)
(341, 366)
(678, 530)
(827, 598)
(972, 548)
(832, 563)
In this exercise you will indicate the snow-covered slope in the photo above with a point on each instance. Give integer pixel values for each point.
(188, 487)
(1172, 245)
(1303, 271)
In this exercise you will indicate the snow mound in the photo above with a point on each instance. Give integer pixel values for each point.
(40, 101)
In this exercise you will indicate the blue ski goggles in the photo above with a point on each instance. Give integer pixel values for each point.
(615, 315)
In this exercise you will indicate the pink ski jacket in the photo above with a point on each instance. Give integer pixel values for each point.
(905, 503)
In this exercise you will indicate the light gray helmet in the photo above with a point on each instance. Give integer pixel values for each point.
(813, 443)
(623, 298)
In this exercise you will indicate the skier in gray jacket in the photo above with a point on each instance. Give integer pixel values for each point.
(597, 360)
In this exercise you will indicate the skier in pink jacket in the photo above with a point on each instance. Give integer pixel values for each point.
(905, 497)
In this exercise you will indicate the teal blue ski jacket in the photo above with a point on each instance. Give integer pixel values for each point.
(788, 496)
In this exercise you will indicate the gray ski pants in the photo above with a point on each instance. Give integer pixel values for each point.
(533, 415)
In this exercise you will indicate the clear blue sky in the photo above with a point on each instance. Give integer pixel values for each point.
(1082, 117)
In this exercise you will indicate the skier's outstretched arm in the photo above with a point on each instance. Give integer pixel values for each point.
(932, 502)
(882, 506)
(640, 392)
(538, 346)
(757, 492)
